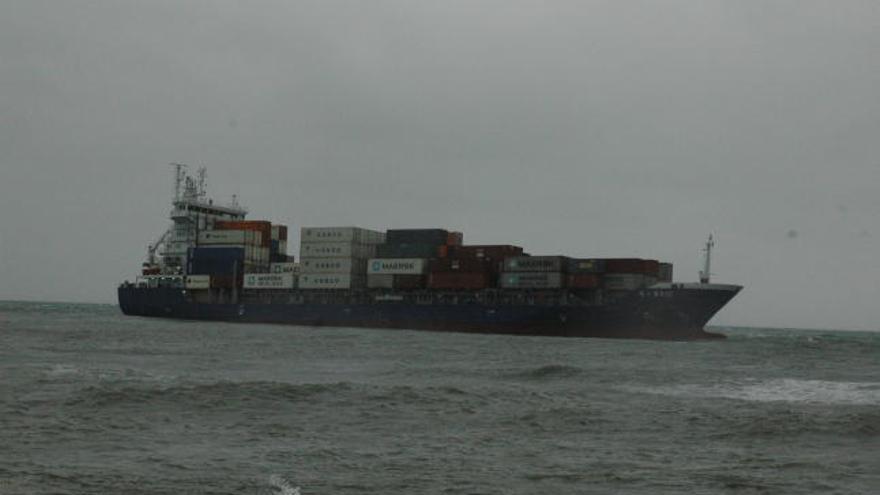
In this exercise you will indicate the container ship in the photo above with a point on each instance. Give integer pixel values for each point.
(213, 264)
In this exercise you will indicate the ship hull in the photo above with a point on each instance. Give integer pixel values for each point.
(678, 312)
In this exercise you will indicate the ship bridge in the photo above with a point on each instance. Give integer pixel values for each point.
(192, 211)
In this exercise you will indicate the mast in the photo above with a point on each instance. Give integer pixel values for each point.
(706, 272)
(179, 177)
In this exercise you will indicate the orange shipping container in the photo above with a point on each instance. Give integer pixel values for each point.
(262, 226)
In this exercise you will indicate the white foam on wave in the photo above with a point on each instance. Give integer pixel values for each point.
(782, 390)
(62, 370)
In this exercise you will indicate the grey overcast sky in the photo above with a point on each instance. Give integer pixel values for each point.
(591, 128)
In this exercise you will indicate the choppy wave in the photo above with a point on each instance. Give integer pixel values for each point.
(548, 372)
(213, 394)
(781, 390)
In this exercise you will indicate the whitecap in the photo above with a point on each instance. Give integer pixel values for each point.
(780, 390)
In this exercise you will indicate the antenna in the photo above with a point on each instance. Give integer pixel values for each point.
(705, 273)
(179, 173)
(202, 175)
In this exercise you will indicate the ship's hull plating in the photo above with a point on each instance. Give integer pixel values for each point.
(677, 312)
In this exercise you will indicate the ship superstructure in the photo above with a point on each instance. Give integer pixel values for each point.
(191, 212)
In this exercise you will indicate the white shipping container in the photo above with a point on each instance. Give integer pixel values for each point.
(336, 250)
(284, 268)
(233, 237)
(355, 235)
(355, 266)
(396, 266)
(197, 282)
(268, 281)
(329, 281)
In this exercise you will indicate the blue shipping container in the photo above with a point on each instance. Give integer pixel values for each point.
(215, 261)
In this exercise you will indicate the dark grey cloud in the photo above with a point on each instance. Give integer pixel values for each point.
(591, 128)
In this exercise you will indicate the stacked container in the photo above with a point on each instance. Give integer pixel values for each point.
(260, 239)
(535, 272)
(336, 257)
(630, 273)
(396, 273)
(269, 281)
(469, 267)
(585, 273)
(410, 247)
(278, 244)
(224, 265)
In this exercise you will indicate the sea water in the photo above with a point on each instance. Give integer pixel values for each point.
(93, 402)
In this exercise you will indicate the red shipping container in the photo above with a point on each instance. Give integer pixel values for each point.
(459, 280)
(651, 267)
(262, 226)
(584, 281)
(442, 251)
(454, 239)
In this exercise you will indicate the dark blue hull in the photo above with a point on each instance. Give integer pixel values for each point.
(677, 312)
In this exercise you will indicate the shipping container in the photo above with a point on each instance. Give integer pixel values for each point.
(406, 250)
(268, 280)
(455, 239)
(386, 281)
(234, 237)
(632, 265)
(628, 281)
(280, 258)
(355, 235)
(532, 280)
(409, 282)
(433, 237)
(584, 281)
(261, 226)
(536, 264)
(330, 281)
(380, 281)
(463, 265)
(252, 254)
(284, 267)
(493, 251)
(396, 266)
(215, 260)
(583, 265)
(336, 250)
(194, 282)
(279, 232)
(459, 280)
(665, 272)
(333, 265)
